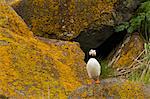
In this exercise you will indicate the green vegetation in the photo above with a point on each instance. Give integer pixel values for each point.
(142, 74)
(140, 22)
(106, 71)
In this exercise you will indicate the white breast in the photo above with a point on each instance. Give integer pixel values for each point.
(93, 68)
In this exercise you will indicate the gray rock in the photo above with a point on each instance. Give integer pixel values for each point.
(112, 88)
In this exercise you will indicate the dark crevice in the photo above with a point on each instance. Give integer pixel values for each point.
(107, 47)
(110, 44)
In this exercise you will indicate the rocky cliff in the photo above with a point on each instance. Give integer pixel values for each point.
(63, 19)
(33, 66)
(36, 67)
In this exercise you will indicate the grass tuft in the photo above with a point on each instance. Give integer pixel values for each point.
(106, 71)
(142, 74)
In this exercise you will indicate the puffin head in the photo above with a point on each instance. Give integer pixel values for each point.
(92, 52)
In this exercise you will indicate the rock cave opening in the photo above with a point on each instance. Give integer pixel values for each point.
(104, 50)
(106, 47)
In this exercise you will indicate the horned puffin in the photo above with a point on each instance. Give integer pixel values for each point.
(93, 67)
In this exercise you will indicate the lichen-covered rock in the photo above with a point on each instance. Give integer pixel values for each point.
(12, 22)
(112, 88)
(13, 2)
(2, 1)
(96, 35)
(128, 51)
(34, 67)
(124, 10)
(63, 19)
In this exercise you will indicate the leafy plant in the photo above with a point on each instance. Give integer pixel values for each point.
(139, 22)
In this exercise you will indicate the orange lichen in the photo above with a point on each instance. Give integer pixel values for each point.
(32, 68)
(63, 19)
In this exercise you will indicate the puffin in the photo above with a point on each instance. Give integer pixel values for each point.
(93, 67)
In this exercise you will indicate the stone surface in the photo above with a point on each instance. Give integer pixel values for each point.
(63, 19)
(96, 35)
(124, 10)
(94, 38)
(68, 18)
(129, 51)
(13, 2)
(112, 88)
(33, 67)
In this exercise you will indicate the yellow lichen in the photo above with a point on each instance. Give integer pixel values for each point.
(130, 51)
(13, 2)
(32, 68)
(63, 19)
(128, 90)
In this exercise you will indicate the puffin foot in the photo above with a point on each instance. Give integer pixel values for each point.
(92, 82)
(97, 82)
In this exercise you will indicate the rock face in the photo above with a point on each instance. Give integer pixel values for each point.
(66, 19)
(63, 19)
(94, 38)
(97, 34)
(13, 2)
(34, 67)
(112, 88)
(128, 51)
(124, 10)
